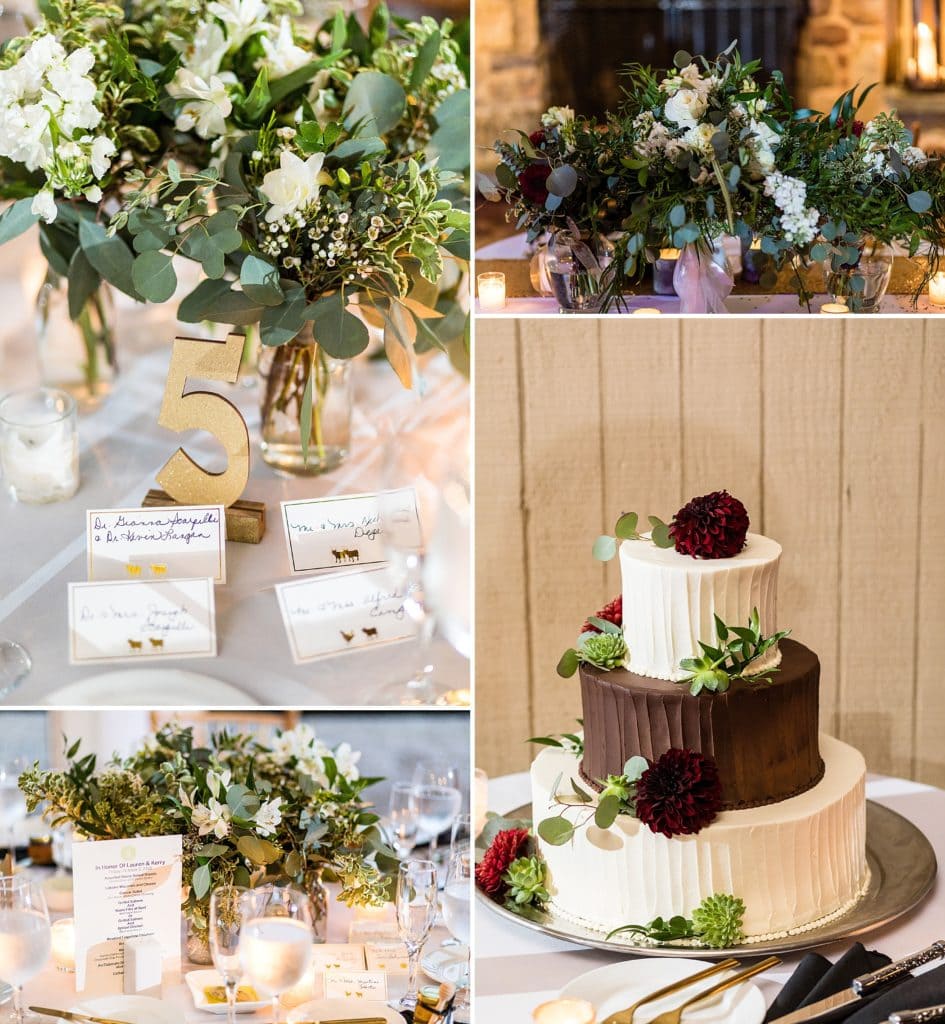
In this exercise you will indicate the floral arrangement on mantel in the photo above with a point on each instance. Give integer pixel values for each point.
(303, 171)
(292, 811)
(707, 148)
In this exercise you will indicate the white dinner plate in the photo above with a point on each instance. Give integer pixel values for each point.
(446, 963)
(149, 688)
(134, 1009)
(620, 985)
(337, 1009)
(197, 981)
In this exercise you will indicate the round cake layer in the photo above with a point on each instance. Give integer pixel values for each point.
(794, 863)
(670, 600)
(762, 735)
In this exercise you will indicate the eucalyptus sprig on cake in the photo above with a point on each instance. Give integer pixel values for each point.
(740, 647)
(605, 547)
(715, 923)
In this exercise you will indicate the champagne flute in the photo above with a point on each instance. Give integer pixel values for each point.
(25, 938)
(276, 939)
(437, 798)
(226, 926)
(402, 819)
(15, 666)
(457, 895)
(12, 800)
(416, 913)
(460, 842)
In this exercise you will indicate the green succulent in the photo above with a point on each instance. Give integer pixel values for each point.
(717, 921)
(618, 786)
(605, 650)
(525, 878)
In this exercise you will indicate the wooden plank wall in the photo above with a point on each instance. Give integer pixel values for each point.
(833, 434)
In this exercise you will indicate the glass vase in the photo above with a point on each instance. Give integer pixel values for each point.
(578, 269)
(861, 286)
(285, 372)
(77, 356)
(318, 897)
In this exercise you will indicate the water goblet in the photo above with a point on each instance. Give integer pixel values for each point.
(25, 938)
(437, 797)
(402, 819)
(457, 893)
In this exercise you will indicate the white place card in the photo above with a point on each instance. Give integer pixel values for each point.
(157, 543)
(124, 889)
(344, 984)
(340, 612)
(338, 956)
(372, 931)
(386, 955)
(129, 621)
(327, 533)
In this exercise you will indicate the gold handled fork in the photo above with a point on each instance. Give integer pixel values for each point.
(675, 1016)
(626, 1016)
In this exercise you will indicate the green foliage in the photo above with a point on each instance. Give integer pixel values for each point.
(605, 547)
(525, 878)
(715, 923)
(606, 650)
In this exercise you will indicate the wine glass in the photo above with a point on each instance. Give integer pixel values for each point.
(402, 819)
(456, 899)
(12, 800)
(460, 842)
(416, 913)
(437, 798)
(276, 939)
(226, 928)
(25, 938)
(15, 666)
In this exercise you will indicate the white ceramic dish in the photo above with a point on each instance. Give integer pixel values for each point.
(617, 986)
(446, 963)
(150, 688)
(338, 1009)
(134, 1009)
(197, 981)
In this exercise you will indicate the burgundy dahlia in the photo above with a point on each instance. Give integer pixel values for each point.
(537, 137)
(679, 794)
(507, 846)
(713, 526)
(532, 182)
(612, 612)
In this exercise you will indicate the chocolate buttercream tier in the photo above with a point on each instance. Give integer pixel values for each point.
(762, 736)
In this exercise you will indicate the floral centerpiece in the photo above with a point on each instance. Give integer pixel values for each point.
(250, 813)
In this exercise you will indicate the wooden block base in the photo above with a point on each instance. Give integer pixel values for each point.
(245, 520)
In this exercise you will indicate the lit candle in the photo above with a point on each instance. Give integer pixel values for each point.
(63, 944)
(647, 311)
(39, 445)
(926, 64)
(755, 244)
(937, 289)
(480, 800)
(385, 912)
(669, 254)
(491, 290)
(564, 1011)
(835, 308)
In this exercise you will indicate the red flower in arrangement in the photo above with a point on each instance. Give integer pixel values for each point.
(612, 612)
(507, 846)
(679, 794)
(532, 182)
(537, 137)
(713, 526)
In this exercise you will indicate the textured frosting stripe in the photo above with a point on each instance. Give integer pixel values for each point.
(793, 863)
(670, 600)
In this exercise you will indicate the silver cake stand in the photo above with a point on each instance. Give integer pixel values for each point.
(902, 870)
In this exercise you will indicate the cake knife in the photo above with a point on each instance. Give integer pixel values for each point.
(864, 987)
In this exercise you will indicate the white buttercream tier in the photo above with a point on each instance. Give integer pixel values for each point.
(670, 601)
(795, 863)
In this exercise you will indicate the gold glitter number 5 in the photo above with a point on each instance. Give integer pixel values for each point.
(185, 481)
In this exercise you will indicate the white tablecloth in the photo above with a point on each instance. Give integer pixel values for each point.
(42, 547)
(517, 968)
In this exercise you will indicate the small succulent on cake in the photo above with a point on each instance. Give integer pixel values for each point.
(606, 649)
(507, 847)
(605, 547)
(525, 878)
(512, 871)
(679, 794)
(713, 526)
(612, 612)
(715, 923)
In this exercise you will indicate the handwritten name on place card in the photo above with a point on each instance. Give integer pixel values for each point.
(389, 956)
(343, 612)
(129, 621)
(157, 543)
(325, 533)
(355, 984)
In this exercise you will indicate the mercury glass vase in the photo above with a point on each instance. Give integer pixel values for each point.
(198, 944)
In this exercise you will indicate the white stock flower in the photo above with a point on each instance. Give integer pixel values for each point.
(103, 149)
(294, 186)
(685, 108)
(799, 222)
(44, 205)
(208, 103)
(557, 117)
(282, 55)
(914, 158)
(93, 194)
(241, 19)
(212, 817)
(269, 817)
(764, 141)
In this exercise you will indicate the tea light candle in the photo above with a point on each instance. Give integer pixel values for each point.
(480, 800)
(647, 311)
(385, 912)
(63, 944)
(755, 245)
(834, 308)
(669, 254)
(564, 1011)
(39, 445)
(937, 289)
(491, 290)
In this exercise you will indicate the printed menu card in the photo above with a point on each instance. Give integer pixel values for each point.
(124, 889)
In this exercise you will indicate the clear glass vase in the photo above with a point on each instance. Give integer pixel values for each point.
(285, 372)
(861, 286)
(578, 269)
(318, 897)
(78, 355)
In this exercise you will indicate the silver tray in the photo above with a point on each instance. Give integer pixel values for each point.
(902, 870)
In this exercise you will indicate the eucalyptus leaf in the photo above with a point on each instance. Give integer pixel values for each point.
(217, 302)
(568, 663)
(562, 181)
(305, 414)
(340, 333)
(634, 768)
(201, 880)
(425, 59)
(16, 219)
(260, 281)
(604, 548)
(84, 279)
(607, 811)
(280, 324)
(919, 202)
(259, 851)
(626, 528)
(109, 255)
(154, 276)
(450, 140)
(677, 215)
(374, 105)
(556, 831)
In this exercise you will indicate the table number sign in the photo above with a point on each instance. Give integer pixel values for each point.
(340, 612)
(181, 541)
(133, 621)
(344, 984)
(124, 889)
(329, 533)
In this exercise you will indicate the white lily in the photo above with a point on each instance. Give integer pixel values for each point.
(294, 186)
(269, 817)
(283, 56)
(204, 54)
(212, 817)
(208, 107)
(241, 19)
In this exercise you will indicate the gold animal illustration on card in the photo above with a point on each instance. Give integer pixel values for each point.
(156, 641)
(159, 568)
(136, 645)
(371, 632)
(348, 636)
(133, 570)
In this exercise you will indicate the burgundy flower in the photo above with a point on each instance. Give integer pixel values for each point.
(537, 137)
(532, 182)
(679, 794)
(858, 127)
(612, 612)
(713, 526)
(507, 846)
